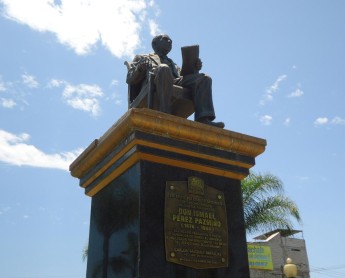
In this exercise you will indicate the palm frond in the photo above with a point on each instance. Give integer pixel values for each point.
(265, 205)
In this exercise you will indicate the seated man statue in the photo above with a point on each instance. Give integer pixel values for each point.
(166, 74)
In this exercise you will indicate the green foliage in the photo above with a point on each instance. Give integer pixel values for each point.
(265, 206)
(85, 252)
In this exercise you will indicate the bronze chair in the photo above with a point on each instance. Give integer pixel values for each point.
(181, 100)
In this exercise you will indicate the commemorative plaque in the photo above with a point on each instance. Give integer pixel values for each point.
(195, 222)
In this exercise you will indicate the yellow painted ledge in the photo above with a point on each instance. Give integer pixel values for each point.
(154, 122)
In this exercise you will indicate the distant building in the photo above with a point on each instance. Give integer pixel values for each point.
(282, 244)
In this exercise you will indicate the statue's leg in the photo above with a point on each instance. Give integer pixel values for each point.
(164, 84)
(201, 86)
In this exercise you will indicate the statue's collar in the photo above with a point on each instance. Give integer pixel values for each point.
(155, 57)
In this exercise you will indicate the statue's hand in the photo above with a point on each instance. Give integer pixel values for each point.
(198, 64)
(142, 67)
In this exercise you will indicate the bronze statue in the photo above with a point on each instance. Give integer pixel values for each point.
(166, 74)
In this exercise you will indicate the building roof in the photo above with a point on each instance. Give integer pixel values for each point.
(283, 233)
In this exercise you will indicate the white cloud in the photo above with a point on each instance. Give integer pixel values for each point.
(321, 121)
(275, 85)
(268, 96)
(2, 87)
(114, 82)
(7, 102)
(4, 210)
(287, 122)
(55, 83)
(116, 98)
(324, 121)
(83, 97)
(266, 119)
(118, 101)
(338, 121)
(12, 94)
(154, 28)
(30, 81)
(81, 24)
(15, 150)
(297, 93)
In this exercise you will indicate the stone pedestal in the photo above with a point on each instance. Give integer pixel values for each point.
(127, 171)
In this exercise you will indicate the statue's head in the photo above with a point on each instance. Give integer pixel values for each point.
(162, 44)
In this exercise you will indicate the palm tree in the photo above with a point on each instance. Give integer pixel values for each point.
(265, 205)
(85, 252)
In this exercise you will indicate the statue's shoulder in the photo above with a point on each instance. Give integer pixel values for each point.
(146, 55)
(139, 57)
(154, 57)
(142, 55)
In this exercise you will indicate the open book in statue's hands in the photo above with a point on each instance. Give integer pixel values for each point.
(190, 60)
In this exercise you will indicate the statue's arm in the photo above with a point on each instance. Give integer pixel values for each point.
(136, 74)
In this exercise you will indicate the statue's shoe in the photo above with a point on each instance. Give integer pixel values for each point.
(216, 124)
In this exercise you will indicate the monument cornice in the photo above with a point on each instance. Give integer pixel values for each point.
(145, 134)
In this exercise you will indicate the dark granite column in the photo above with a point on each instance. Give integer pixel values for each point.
(126, 172)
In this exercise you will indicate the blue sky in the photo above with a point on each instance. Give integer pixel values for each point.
(278, 73)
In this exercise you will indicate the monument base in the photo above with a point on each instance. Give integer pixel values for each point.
(135, 229)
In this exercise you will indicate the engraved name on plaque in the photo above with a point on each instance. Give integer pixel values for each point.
(195, 222)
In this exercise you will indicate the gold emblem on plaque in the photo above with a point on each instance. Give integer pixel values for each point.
(195, 222)
(196, 186)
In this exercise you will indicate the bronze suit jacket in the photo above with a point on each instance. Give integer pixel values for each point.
(138, 80)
